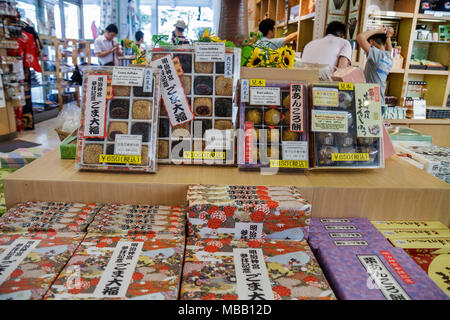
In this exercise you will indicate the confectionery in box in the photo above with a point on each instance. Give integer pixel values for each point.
(273, 124)
(408, 225)
(341, 225)
(206, 134)
(119, 119)
(135, 267)
(376, 273)
(416, 234)
(30, 263)
(247, 212)
(48, 216)
(128, 220)
(428, 245)
(346, 126)
(226, 269)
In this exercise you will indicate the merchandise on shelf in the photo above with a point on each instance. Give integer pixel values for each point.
(346, 126)
(48, 217)
(118, 268)
(119, 122)
(428, 245)
(408, 134)
(368, 239)
(246, 212)
(273, 124)
(32, 262)
(227, 269)
(206, 134)
(128, 220)
(340, 224)
(408, 225)
(376, 273)
(416, 234)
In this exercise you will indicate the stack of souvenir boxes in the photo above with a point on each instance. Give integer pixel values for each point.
(247, 212)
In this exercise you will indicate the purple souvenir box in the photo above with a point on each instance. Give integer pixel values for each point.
(373, 273)
(317, 244)
(339, 221)
(353, 226)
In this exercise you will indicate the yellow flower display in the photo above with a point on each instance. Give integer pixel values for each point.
(257, 58)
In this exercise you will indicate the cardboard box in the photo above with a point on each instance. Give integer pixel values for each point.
(247, 212)
(151, 269)
(37, 260)
(221, 270)
(374, 273)
(416, 234)
(408, 225)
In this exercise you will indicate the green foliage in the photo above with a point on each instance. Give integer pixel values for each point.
(160, 39)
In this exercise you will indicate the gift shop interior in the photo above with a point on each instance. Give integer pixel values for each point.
(224, 150)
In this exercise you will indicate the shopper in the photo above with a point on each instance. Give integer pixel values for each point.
(139, 36)
(178, 34)
(106, 48)
(267, 28)
(332, 50)
(378, 47)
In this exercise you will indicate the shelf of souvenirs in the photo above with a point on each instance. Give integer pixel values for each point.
(10, 59)
(391, 14)
(9, 44)
(295, 20)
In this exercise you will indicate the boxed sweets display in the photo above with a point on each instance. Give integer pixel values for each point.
(273, 124)
(119, 119)
(134, 267)
(247, 212)
(124, 219)
(30, 263)
(340, 225)
(374, 273)
(346, 126)
(226, 269)
(408, 225)
(205, 87)
(429, 245)
(48, 216)
(324, 244)
(416, 234)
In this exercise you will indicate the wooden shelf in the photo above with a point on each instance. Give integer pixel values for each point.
(420, 121)
(397, 71)
(429, 72)
(400, 191)
(391, 14)
(429, 41)
(306, 17)
(422, 16)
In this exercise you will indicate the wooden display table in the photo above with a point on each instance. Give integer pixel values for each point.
(400, 191)
(439, 129)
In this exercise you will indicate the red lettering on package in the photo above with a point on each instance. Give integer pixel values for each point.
(397, 267)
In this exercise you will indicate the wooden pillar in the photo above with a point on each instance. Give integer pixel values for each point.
(233, 23)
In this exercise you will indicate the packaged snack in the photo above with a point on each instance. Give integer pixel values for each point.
(119, 122)
(206, 136)
(273, 124)
(30, 263)
(428, 245)
(247, 212)
(374, 273)
(416, 234)
(150, 269)
(408, 225)
(346, 126)
(340, 225)
(225, 269)
(324, 244)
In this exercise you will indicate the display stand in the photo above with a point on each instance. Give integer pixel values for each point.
(400, 191)
(439, 129)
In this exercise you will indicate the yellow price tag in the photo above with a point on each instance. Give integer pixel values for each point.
(257, 83)
(346, 86)
(299, 164)
(114, 158)
(204, 155)
(350, 157)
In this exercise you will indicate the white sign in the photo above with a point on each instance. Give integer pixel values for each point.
(2, 94)
(128, 76)
(295, 150)
(148, 80)
(209, 51)
(245, 87)
(384, 280)
(340, 228)
(95, 108)
(265, 96)
(228, 68)
(420, 109)
(117, 276)
(334, 220)
(345, 235)
(251, 275)
(128, 145)
(11, 258)
(296, 121)
(218, 139)
(172, 92)
(248, 230)
(345, 243)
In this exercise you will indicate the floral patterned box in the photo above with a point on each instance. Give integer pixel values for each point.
(229, 269)
(126, 228)
(48, 216)
(247, 212)
(135, 267)
(30, 263)
(374, 273)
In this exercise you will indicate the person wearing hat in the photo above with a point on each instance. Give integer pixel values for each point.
(180, 26)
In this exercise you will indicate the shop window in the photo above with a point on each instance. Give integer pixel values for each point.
(30, 12)
(72, 20)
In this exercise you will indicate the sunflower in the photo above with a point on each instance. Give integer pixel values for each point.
(287, 59)
(128, 43)
(256, 60)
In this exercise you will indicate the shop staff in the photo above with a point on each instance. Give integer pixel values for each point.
(267, 28)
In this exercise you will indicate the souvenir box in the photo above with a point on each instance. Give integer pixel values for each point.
(32, 262)
(273, 124)
(209, 88)
(324, 244)
(119, 123)
(340, 225)
(247, 212)
(408, 225)
(416, 234)
(222, 270)
(374, 273)
(151, 269)
(346, 126)
(429, 245)
(48, 216)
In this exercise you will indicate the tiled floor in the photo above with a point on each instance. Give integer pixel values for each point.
(44, 134)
